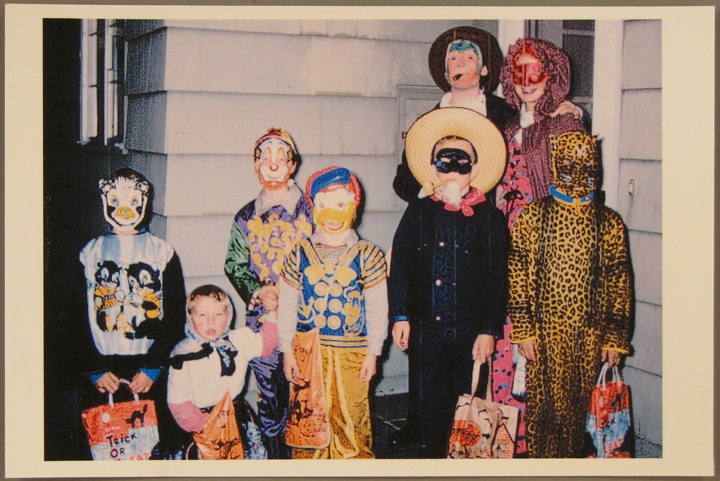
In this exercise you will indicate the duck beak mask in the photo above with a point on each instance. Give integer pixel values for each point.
(334, 194)
(124, 201)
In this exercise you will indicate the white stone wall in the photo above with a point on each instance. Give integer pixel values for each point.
(641, 166)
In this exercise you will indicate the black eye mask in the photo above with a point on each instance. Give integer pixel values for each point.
(453, 160)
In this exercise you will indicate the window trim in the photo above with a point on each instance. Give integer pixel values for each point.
(103, 56)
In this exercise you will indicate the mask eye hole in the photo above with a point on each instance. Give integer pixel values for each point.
(266, 155)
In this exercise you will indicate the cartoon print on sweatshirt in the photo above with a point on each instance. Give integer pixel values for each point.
(126, 297)
(107, 296)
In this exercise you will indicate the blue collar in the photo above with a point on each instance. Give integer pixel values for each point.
(570, 200)
(141, 230)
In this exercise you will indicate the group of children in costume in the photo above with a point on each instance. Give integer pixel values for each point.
(503, 253)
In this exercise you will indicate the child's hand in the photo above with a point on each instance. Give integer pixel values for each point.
(611, 357)
(140, 383)
(567, 107)
(291, 369)
(527, 349)
(368, 368)
(109, 382)
(401, 334)
(483, 347)
(268, 297)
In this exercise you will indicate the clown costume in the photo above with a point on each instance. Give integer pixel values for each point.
(263, 231)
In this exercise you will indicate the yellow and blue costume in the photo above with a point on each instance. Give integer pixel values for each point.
(339, 290)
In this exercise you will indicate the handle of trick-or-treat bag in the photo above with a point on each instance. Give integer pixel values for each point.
(602, 378)
(602, 375)
(110, 395)
(477, 365)
(616, 374)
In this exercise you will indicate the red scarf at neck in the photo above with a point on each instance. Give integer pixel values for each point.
(472, 198)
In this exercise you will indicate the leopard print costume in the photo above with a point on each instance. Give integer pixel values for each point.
(574, 166)
(571, 290)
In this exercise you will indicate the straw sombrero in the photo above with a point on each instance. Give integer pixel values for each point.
(460, 122)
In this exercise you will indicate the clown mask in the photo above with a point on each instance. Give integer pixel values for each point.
(274, 163)
(576, 171)
(124, 202)
(334, 210)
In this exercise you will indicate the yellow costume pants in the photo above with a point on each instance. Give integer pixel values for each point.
(347, 407)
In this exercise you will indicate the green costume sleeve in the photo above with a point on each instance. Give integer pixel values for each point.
(618, 286)
(521, 275)
(237, 265)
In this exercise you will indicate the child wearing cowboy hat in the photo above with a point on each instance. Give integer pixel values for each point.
(448, 284)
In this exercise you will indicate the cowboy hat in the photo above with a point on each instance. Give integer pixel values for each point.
(459, 122)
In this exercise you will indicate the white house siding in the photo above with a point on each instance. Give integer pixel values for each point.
(201, 92)
(640, 157)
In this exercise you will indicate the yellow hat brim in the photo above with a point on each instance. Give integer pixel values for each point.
(459, 122)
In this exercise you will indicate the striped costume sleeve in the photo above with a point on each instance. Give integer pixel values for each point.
(291, 266)
(374, 267)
